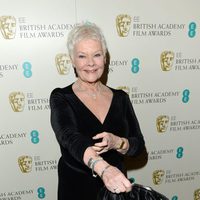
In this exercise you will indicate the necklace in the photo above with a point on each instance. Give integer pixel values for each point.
(93, 94)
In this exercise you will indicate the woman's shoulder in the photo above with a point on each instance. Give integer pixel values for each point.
(118, 91)
(63, 90)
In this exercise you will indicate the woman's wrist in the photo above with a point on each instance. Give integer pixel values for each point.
(92, 162)
(122, 146)
(99, 167)
(96, 164)
(103, 171)
(120, 143)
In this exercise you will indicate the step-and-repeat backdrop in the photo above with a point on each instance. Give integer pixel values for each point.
(154, 56)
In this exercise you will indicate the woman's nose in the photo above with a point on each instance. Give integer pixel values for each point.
(90, 62)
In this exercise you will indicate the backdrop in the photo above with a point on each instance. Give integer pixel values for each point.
(154, 57)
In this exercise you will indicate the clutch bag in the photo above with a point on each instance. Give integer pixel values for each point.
(138, 192)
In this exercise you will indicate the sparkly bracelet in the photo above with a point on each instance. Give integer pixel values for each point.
(92, 160)
(104, 170)
(92, 163)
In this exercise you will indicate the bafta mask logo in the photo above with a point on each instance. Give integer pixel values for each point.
(124, 88)
(158, 176)
(197, 194)
(8, 26)
(25, 164)
(17, 101)
(123, 23)
(63, 63)
(166, 60)
(162, 122)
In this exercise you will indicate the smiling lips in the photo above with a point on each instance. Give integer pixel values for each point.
(91, 71)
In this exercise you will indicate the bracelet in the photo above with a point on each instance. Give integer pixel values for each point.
(121, 144)
(92, 163)
(101, 175)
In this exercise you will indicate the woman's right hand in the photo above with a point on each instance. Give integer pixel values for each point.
(115, 180)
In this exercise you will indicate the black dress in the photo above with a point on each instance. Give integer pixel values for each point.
(75, 125)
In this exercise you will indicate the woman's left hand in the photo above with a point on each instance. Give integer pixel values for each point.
(109, 141)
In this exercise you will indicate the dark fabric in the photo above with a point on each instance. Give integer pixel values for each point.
(75, 125)
(138, 192)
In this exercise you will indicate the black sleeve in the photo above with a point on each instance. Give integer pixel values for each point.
(64, 124)
(135, 137)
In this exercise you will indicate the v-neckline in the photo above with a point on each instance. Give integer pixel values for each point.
(88, 109)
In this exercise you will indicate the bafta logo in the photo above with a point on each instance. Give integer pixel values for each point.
(8, 26)
(25, 164)
(63, 63)
(123, 23)
(197, 194)
(158, 176)
(166, 60)
(17, 101)
(162, 122)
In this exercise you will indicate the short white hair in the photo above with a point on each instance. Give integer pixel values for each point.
(84, 31)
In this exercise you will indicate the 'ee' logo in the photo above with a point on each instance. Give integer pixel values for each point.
(192, 29)
(135, 65)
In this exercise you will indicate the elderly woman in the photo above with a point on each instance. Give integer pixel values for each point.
(95, 125)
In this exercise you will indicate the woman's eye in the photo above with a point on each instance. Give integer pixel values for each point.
(97, 55)
(81, 56)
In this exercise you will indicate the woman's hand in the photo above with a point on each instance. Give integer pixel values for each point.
(109, 141)
(115, 181)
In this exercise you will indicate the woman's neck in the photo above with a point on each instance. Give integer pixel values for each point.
(87, 86)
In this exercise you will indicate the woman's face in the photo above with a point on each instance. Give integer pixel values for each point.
(88, 60)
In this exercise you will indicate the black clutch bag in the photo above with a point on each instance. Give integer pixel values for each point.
(138, 192)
